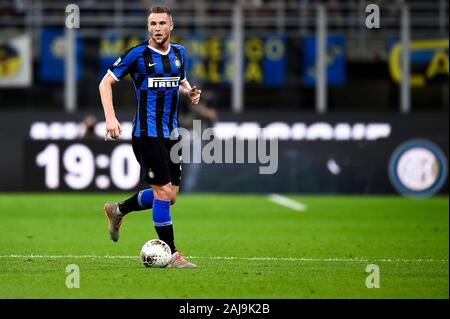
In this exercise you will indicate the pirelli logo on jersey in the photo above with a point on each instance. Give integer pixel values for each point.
(167, 82)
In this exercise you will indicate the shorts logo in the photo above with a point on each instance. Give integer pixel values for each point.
(150, 173)
(167, 82)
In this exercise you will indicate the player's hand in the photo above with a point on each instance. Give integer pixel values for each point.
(112, 128)
(194, 94)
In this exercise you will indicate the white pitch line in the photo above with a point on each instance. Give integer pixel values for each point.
(69, 256)
(287, 202)
(301, 259)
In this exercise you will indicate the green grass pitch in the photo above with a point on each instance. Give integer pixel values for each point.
(274, 252)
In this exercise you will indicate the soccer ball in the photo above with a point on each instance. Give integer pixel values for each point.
(155, 254)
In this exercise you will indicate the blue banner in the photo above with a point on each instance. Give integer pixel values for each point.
(335, 59)
(274, 61)
(52, 55)
(210, 59)
(429, 61)
(265, 60)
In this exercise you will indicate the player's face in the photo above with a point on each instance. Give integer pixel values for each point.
(159, 26)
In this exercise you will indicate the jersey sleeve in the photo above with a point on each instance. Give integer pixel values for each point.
(184, 72)
(123, 65)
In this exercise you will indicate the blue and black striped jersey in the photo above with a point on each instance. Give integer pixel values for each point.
(156, 77)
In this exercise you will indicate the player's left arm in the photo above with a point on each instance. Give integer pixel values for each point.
(193, 92)
(185, 87)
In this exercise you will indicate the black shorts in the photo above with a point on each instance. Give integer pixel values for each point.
(153, 154)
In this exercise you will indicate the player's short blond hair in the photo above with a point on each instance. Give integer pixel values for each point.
(160, 9)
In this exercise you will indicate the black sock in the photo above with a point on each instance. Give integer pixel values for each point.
(165, 233)
(130, 205)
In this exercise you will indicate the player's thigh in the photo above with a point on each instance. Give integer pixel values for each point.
(154, 160)
(137, 146)
(175, 165)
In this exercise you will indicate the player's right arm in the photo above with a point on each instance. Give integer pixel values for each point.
(123, 66)
(112, 127)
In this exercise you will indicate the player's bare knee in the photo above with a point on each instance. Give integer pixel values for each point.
(163, 192)
(175, 190)
(174, 198)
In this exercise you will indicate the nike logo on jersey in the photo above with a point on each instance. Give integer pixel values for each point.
(151, 64)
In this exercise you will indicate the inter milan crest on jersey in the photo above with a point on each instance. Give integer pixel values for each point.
(177, 63)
